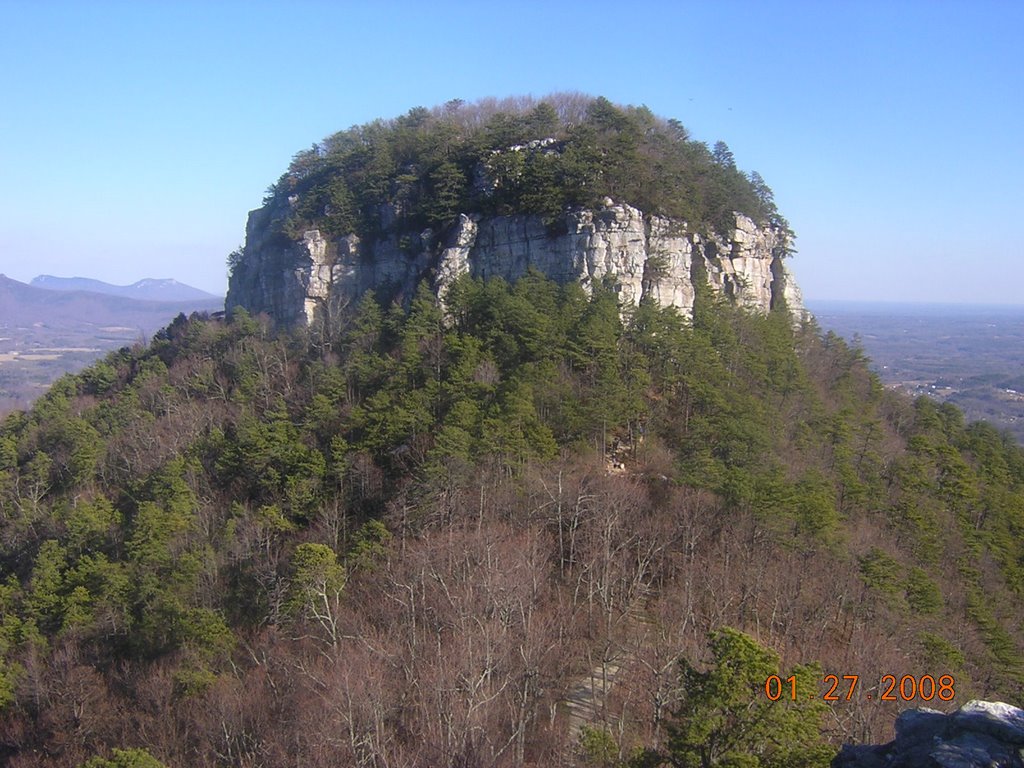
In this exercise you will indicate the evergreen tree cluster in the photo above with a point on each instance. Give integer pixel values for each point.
(518, 156)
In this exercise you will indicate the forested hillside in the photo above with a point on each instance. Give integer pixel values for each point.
(410, 542)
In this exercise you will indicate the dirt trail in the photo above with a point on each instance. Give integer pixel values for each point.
(585, 701)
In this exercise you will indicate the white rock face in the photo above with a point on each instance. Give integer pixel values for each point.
(318, 278)
(995, 718)
(742, 266)
(792, 294)
(641, 256)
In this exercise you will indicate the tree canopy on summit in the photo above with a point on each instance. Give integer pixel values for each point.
(513, 156)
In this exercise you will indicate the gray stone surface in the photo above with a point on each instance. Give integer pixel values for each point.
(981, 734)
(303, 281)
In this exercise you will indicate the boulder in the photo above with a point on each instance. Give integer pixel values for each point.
(981, 734)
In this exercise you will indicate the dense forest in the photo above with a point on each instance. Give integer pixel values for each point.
(566, 151)
(539, 528)
(412, 542)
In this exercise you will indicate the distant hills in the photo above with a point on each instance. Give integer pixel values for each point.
(48, 331)
(22, 304)
(149, 289)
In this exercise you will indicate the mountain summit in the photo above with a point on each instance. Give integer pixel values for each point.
(69, 307)
(577, 189)
(147, 289)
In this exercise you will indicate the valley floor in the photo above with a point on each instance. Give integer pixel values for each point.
(971, 356)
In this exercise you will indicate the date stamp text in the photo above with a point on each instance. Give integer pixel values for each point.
(890, 688)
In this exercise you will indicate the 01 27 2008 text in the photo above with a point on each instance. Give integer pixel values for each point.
(889, 688)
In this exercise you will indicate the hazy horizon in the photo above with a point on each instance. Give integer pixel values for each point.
(888, 305)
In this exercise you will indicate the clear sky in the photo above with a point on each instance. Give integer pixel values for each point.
(135, 136)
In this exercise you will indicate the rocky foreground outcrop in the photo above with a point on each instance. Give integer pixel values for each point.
(301, 281)
(981, 734)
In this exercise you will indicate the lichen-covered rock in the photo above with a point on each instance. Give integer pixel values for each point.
(299, 281)
(980, 734)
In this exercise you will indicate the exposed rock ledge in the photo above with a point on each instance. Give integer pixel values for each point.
(297, 282)
(980, 734)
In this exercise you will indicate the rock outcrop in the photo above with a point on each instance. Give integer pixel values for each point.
(308, 280)
(980, 734)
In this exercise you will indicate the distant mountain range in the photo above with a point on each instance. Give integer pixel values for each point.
(148, 289)
(45, 333)
(22, 304)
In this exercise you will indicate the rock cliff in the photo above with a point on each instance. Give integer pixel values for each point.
(980, 734)
(305, 281)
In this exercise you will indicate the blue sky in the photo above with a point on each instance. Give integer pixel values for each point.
(136, 136)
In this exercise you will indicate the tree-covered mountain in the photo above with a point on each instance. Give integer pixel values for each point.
(410, 543)
(513, 156)
(573, 187)
(535, 526)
